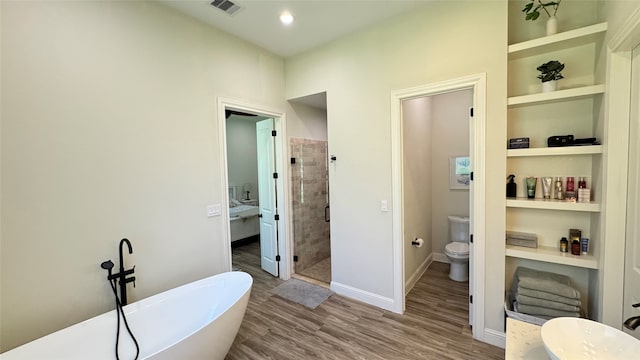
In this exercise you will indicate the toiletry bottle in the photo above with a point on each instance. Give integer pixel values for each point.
(582, 183)
(584, 246)
(531, 186)
(575, 247)
(570, 185)
(511, 186)
(564, 244)
(558, 188)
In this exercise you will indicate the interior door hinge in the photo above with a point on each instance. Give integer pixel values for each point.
(277, 257)
(471, 238)
(471, 112)
(273, 133)
(276, 217)
(275, 175)
(471, 299)
(471, 176)
(293, 161)
(295, 258)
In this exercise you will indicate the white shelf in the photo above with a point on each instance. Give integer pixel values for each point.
(566, 94)
(550, 204)
(563, 39)
(556, 151)
(552, 255)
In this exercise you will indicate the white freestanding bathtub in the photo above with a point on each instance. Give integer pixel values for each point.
(198, 320)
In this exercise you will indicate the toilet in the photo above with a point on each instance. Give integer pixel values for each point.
(457, 250)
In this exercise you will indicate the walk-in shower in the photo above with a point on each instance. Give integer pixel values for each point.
(311, 213)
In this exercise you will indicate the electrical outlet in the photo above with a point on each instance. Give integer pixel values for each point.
(384, 206)
(214, 210)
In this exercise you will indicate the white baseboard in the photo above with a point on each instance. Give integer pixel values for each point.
(364, 296)
(413, 279)
(494, 337)
(441, 257)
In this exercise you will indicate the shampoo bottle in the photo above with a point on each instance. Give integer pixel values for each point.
(511, 186)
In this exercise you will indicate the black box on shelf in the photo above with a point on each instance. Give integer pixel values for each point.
(518, 143)
(560, 140)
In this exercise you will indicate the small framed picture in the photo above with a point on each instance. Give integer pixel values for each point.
(459, 172)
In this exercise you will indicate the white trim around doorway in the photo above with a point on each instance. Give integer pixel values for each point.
(478, 84)
(284, 248)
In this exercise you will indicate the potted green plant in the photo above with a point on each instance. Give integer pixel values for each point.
(532, 12)
(550, 72)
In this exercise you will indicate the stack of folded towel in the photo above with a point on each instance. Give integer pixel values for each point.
(544, 294)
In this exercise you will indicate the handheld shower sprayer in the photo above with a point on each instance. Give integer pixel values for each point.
(107, 265)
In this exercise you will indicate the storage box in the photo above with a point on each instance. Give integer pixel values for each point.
(521, 239)
(518, 143)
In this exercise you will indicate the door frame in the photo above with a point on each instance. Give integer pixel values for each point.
(282, 196)
(617, 110)
(477, 83)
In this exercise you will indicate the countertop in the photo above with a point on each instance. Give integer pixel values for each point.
(524, 341)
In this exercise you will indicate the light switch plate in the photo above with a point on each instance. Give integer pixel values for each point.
(384, 206)
(214, 210)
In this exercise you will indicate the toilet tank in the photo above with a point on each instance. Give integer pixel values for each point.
(458, 228)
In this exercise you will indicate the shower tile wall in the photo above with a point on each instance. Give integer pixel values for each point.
(309, 179)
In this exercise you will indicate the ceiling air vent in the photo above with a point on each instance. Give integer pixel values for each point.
(226, 6)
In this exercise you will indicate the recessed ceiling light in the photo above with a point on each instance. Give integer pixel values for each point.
(286, 18)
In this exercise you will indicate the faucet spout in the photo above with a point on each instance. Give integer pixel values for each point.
(632, 323)
(124, 241)
(122, 275)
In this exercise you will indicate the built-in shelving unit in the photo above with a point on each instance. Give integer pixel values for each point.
(558, 95)
(549, 204)
(562, 40)
(556, 151)
(552, 255)
(537, 115)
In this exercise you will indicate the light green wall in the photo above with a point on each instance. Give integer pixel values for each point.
(110, 130)
(444, 40)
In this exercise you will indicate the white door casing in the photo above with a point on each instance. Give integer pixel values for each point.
(632, 251)
(478, 84)
(267, 196)
(281, 159)
(471, 213)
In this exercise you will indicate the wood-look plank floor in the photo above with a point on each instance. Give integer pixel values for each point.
(434, 325)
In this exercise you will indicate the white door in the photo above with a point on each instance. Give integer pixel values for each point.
(267, 197)
(471, 217)
(632, 251)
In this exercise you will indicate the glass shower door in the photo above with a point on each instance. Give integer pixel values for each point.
(311, 213)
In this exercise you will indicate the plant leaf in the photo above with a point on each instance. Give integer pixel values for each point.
(535, 16)
(528, 7)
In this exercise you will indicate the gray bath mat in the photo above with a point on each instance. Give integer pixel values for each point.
(302, 292)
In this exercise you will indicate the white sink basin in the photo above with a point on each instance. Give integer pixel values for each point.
(575, 338)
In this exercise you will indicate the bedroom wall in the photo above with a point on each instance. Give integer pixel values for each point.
(110, 130)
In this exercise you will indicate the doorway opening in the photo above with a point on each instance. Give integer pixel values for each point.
(436, 190)
(255, 179)
(406, 226)
(309, 171)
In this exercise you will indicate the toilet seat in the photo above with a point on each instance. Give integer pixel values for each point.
(457, 249)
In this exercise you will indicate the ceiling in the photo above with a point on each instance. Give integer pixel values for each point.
(316, 21)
